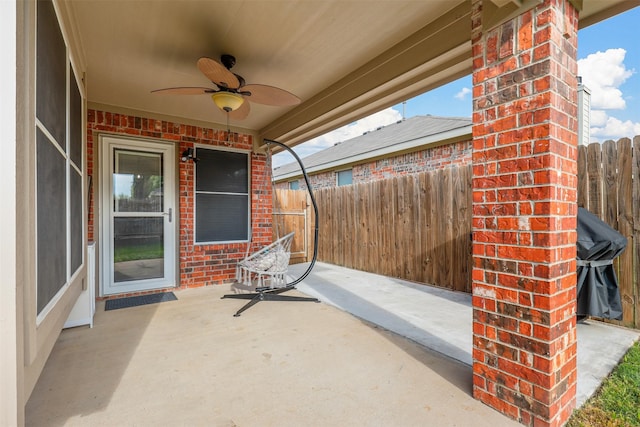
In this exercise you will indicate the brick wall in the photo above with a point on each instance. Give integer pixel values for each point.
(524, 213)
(450, 155)
(199, 265)
(457, 154)
(320, 180)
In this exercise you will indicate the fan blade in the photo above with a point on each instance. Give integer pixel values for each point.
(184, 90)
(242, 112)
(218, 73)
(269, 95)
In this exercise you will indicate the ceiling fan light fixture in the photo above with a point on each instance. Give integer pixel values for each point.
(227, 101)
(231, 94)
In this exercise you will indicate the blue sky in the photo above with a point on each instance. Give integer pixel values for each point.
(608, 62)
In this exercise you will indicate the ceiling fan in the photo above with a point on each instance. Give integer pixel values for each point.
(232, 92)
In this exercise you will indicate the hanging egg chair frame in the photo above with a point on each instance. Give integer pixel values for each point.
(275, 294)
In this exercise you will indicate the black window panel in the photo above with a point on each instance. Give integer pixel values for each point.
(221, 171)
(75, 122)
(51, 73)
(75, 217)
(51, 220)
(221, 217)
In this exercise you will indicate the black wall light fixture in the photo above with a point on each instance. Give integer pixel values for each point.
(188, 154)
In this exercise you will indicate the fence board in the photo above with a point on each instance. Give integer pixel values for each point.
(437, 229)
(444, 244)
(404, 238)
(335, 226)
(398, 222)
(311, 220)
(422, 262)
(324, 218)
(418, 227)
(433, 220)
(374, 230)
(594, 173)
(610, 187)
(380, 207)
(462, 201)
(329, 239)
(416, 222)
(446, 201)
(335, 223)
(583, 184)
(361, 238)
(386, 207)
(625, 227)
(348, 228)
(341, 236)
(427, 227)
(320, 201)
(410, 232)
(636, 226)
(610, 192)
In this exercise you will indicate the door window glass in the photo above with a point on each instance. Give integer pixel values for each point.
(138, 248)
(137, 182)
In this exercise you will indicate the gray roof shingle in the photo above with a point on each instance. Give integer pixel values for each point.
(394, 134)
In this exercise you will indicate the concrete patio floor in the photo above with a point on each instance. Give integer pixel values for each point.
(441, 320)
(190, 362)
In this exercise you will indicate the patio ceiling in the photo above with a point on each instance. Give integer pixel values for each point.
(344, 58)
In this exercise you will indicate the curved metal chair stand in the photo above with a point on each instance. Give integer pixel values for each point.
(269, 293)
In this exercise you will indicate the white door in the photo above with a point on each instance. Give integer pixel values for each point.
(138, 215)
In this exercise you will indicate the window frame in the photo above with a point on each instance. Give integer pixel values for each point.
(71, 146)
(247, 153)
(338, 177)
(295, 183)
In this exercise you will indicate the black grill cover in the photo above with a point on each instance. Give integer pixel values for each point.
(598, 246)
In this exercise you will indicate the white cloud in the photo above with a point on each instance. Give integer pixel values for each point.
(614, 129)
(603, 73)
(463, 93)
(598, 118)
(357, 128)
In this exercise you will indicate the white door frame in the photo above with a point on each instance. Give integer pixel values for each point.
(107, 144)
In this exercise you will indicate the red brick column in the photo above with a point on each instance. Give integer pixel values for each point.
(524, 213)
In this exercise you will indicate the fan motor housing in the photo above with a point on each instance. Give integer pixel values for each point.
(228, 60)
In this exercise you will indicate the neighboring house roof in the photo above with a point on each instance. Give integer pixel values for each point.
(404, 135)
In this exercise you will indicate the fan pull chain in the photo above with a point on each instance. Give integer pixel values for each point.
(228, 143)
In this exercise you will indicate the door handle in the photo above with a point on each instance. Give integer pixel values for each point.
(168, 214)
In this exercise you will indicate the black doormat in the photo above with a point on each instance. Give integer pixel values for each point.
(114, 304)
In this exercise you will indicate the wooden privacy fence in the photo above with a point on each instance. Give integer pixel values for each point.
(415, 227)
(418, 227)
(609, 187)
